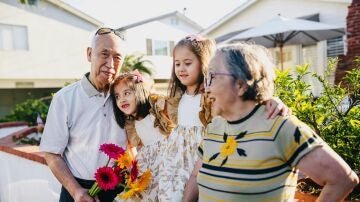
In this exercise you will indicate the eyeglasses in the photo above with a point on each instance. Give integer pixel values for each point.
(211, 75)
(105, 30)
(195, 38)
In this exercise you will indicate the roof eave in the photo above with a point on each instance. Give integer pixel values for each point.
(228, 16)
(76, 12)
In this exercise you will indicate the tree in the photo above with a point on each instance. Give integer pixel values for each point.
(137, 61)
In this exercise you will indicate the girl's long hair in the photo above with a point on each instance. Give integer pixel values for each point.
(203, 48)
(141, 97)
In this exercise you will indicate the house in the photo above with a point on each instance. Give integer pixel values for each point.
(255, 12)
(42, 47)
(155, 38)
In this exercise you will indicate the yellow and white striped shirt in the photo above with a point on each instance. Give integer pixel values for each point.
(253, 159)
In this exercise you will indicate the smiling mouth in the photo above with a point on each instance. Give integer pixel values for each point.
(107, 73)
(125, 106)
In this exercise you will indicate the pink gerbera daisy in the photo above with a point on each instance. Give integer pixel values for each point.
(106, 178)
(112, 150)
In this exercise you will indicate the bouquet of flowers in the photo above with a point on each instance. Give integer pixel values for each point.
(124, 172)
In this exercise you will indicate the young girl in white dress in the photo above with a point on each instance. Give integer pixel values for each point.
(146, 125)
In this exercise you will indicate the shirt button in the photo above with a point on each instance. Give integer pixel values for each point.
(105, 115)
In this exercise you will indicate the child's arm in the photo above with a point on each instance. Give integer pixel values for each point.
(275, 106)
(191, 192)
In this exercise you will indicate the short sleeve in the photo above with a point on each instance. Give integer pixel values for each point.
(131, 134)
(55, 136)
(205, 112)
(159, 108)
(295, 140)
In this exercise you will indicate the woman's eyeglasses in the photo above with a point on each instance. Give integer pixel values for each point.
(105, 30)
(211, 75)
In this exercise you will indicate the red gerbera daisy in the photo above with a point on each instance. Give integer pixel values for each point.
(106, 178)
(134, 171)
(119, 174)
(112, 150)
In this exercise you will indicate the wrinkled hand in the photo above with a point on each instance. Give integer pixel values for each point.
(81, 195)
(275, 106)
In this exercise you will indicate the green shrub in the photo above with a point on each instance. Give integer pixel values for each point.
(337, 123)
(28, 110)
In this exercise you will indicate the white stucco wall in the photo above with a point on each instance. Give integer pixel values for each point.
(57, 43)
(136, 43)
(264, 10)
(180, 25)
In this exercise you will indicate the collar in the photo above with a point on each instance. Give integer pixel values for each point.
(89, 89)
(246, 117)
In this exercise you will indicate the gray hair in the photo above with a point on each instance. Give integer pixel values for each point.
(251, 65)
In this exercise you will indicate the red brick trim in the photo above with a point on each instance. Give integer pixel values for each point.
(13, 124)
(26, 155)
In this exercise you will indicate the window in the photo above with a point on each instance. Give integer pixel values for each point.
(159, 47)
(174, 21)
(335, 47)
(13, 37)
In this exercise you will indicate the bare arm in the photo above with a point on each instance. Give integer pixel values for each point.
(274, 106)
(328, 169)
(61, 171)
(191, 192)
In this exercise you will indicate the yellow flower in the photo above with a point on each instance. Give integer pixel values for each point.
(143, 180)
(124, 161)
(229, 147)
(127, 194)
(134, 188)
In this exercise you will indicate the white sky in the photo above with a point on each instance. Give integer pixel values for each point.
(117, 13)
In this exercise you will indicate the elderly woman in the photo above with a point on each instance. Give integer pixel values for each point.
(247, 157)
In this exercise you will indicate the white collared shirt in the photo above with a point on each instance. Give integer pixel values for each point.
(79, 120)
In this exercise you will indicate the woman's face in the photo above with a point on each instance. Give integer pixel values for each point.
(220, 86)
(125, 98)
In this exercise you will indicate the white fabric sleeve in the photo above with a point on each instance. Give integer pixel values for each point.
(56, 132)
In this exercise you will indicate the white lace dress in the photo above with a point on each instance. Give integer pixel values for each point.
(180, 152)
(148, 155)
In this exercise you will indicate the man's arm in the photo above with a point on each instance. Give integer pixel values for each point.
(61, 171)
(328, 169)
(191, 192)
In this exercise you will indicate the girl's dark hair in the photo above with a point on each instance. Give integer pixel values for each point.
(141, 97)
(203, 49)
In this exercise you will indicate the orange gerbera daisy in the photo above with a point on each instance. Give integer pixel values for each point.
(124, 161)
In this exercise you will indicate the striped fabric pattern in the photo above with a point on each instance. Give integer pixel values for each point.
(253, 159)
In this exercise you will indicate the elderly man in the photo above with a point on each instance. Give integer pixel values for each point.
(80, 119)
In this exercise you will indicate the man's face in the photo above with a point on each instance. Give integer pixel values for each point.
(106, 57)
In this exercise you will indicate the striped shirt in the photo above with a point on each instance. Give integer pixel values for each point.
(253, 159)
